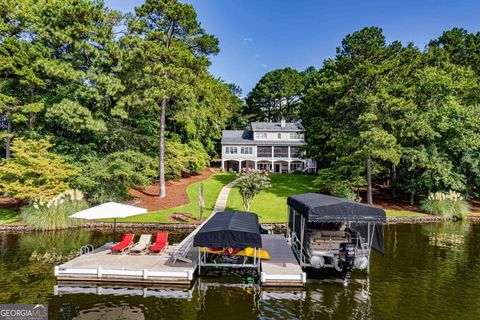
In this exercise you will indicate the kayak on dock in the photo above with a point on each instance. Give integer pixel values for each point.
(246, 252)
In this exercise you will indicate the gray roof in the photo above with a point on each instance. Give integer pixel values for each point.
(246, 137)
(276, 126)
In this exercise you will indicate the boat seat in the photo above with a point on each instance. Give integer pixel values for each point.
(329, 244)
(333, 234)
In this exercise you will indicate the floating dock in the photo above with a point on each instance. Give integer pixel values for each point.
(283, 268)
(102, 266)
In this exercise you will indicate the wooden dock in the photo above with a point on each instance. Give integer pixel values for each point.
(283, 268)
(102, 266)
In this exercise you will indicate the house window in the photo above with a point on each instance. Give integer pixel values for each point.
(279, 136)
(295, 152)
(296, 166)
(264, 166)
(260, 136)
(281, 152)
(246, 150)
(296, 136)
(264, 151)
(231, 150)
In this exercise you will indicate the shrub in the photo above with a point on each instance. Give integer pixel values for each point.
(450, 204)
(340, 181)
(182, 158)
(343, 190)
(34, 172)
(251, 184)
(109, 178)
(54, 214)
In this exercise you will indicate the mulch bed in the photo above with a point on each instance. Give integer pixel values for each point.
(176, 193)
(382, 197)
(11, 204)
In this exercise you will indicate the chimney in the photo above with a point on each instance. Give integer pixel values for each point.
(283, 123)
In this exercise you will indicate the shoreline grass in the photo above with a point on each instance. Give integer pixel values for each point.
(9, 216)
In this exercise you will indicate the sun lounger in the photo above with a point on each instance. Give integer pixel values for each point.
(161, 241)
(142, 244)
(124, 244)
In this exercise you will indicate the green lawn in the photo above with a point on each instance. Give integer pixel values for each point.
(271, 204)
(8, 216)
(211, 189)
(404, 213)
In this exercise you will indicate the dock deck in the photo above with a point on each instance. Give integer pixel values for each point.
(282, 269)
(102, 266)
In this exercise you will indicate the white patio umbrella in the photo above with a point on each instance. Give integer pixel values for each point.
(109, 210)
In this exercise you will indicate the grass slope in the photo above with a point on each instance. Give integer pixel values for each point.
(271, 203)
(404, 213)
(8, 216)
(211, 189)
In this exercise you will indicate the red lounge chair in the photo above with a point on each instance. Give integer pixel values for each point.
(124, 244)
(161, 241)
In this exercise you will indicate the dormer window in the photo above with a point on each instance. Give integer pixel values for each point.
(279, 136)
(260, 136)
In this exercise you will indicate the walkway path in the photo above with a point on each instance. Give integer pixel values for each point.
(221, 203)
(185, 246)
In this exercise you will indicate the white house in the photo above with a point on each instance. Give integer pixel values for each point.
(270, 146)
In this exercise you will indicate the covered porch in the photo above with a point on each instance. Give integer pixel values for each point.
(274, 166)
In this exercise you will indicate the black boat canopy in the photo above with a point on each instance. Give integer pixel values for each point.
(316, 207)
(235, 229)
(322, 208)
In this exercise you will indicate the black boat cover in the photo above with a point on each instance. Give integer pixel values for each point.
(230, 229)
(316, 207)
(322, 208)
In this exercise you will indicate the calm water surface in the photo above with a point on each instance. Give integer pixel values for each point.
(429, 271)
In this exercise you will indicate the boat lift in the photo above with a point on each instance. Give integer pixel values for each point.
(349, 246)
(230, 230)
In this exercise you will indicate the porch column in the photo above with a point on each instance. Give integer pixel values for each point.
(223, 165)
(288, 161)
(272, 169)
(256, 166)
(239, 166)
(289, 152)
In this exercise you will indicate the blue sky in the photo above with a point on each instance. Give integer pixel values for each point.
(257, 36)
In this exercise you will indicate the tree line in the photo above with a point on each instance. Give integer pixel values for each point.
(385, 113)
(106, 100)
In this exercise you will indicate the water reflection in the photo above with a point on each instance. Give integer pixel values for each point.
(428, 271)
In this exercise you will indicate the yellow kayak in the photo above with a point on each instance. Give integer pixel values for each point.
(247, 252)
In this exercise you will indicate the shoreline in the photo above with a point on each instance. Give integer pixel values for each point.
(191, 226)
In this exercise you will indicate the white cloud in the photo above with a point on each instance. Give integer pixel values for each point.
(263, 65)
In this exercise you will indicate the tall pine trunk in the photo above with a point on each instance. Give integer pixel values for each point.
(161, 163)
(8, 143)
(394, 180)
(369, 180)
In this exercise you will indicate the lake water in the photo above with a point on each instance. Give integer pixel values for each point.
(429, 271)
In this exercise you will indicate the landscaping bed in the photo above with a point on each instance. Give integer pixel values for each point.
(176, 193)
